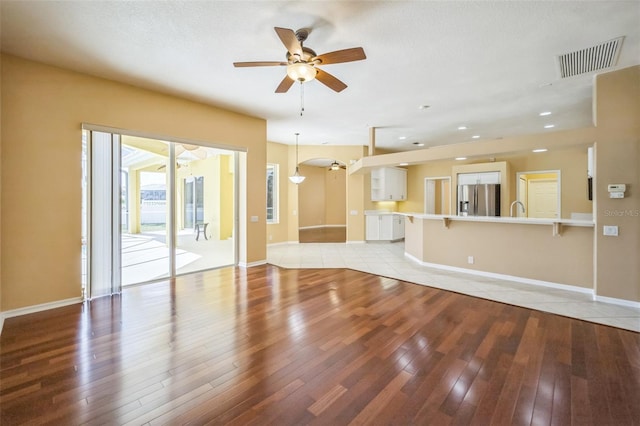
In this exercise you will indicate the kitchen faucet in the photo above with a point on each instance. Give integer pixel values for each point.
(513, 204)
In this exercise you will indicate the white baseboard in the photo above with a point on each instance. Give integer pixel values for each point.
(503, 277)
(252, 264)
(356, 242)
(322, 226)
(37, 308)
(614, 301)
(282, 243)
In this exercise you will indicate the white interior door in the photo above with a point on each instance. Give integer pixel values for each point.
(543, 198)
(430, 196)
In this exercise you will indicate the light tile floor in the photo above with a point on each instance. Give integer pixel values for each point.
(387, 259)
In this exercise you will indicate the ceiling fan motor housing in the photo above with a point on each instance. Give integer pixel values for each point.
(307, 56)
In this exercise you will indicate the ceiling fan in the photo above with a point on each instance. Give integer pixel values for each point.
(302, 62)
(337, 166)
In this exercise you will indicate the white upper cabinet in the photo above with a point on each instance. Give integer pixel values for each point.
(475, 178)
(389, 184)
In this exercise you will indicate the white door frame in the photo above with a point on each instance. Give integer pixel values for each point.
(541, 172)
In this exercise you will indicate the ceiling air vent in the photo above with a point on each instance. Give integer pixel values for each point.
(595, 58)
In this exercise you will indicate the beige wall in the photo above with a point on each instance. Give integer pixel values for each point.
(322, 197)
(311, 197)
(527, 251)
(43, 108)
(617, 103)
(335, 206)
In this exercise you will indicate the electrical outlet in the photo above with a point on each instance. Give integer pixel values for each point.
(470, 260)
(611, 231)
(270, 237)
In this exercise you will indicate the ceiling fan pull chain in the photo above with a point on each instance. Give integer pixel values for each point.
(301, 98)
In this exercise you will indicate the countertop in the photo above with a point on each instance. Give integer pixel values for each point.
(502, 219)
(382, 213)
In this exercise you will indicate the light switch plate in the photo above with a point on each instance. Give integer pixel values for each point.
(610, 230)
(254, 218)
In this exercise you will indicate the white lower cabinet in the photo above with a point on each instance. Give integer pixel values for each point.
(398, 227)
(384, 227)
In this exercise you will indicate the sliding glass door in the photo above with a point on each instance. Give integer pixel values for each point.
(205, 208)
(145, 234)
(157, 209)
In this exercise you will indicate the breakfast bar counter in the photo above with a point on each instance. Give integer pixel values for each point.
(541, 251)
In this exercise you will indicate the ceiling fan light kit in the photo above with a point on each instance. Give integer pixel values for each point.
(334, 166)
(301, 71)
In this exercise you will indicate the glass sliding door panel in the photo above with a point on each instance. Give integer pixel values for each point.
(145, 210)
(205, 185)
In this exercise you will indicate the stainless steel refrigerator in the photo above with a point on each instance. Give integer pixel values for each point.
(479, 200)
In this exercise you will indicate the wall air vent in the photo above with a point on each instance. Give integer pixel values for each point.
(594, 58)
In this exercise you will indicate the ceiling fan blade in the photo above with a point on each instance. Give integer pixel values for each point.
(290, 41)
(330, 81)
(259, 64)
(284, 85)
(345, 55)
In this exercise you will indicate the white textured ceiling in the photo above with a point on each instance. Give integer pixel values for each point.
(490, 66)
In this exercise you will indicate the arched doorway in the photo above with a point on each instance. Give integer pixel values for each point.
(322, 201)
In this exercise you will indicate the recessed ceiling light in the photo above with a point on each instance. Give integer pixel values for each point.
(423, 106)
(403, 164)
(462, 127)
(542, 114)
(461, 158)
(540, 150)
(475, 136)
(324, 143)
(402, 138)
(418, 144)
(549, 126)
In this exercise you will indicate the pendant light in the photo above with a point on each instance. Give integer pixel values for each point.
(297, 178)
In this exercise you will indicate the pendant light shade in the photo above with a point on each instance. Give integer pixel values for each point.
(297, 178)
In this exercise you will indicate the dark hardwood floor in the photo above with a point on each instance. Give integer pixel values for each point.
(267, 345)
(333, 234)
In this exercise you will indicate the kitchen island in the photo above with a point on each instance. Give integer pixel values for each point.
(554, 252)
